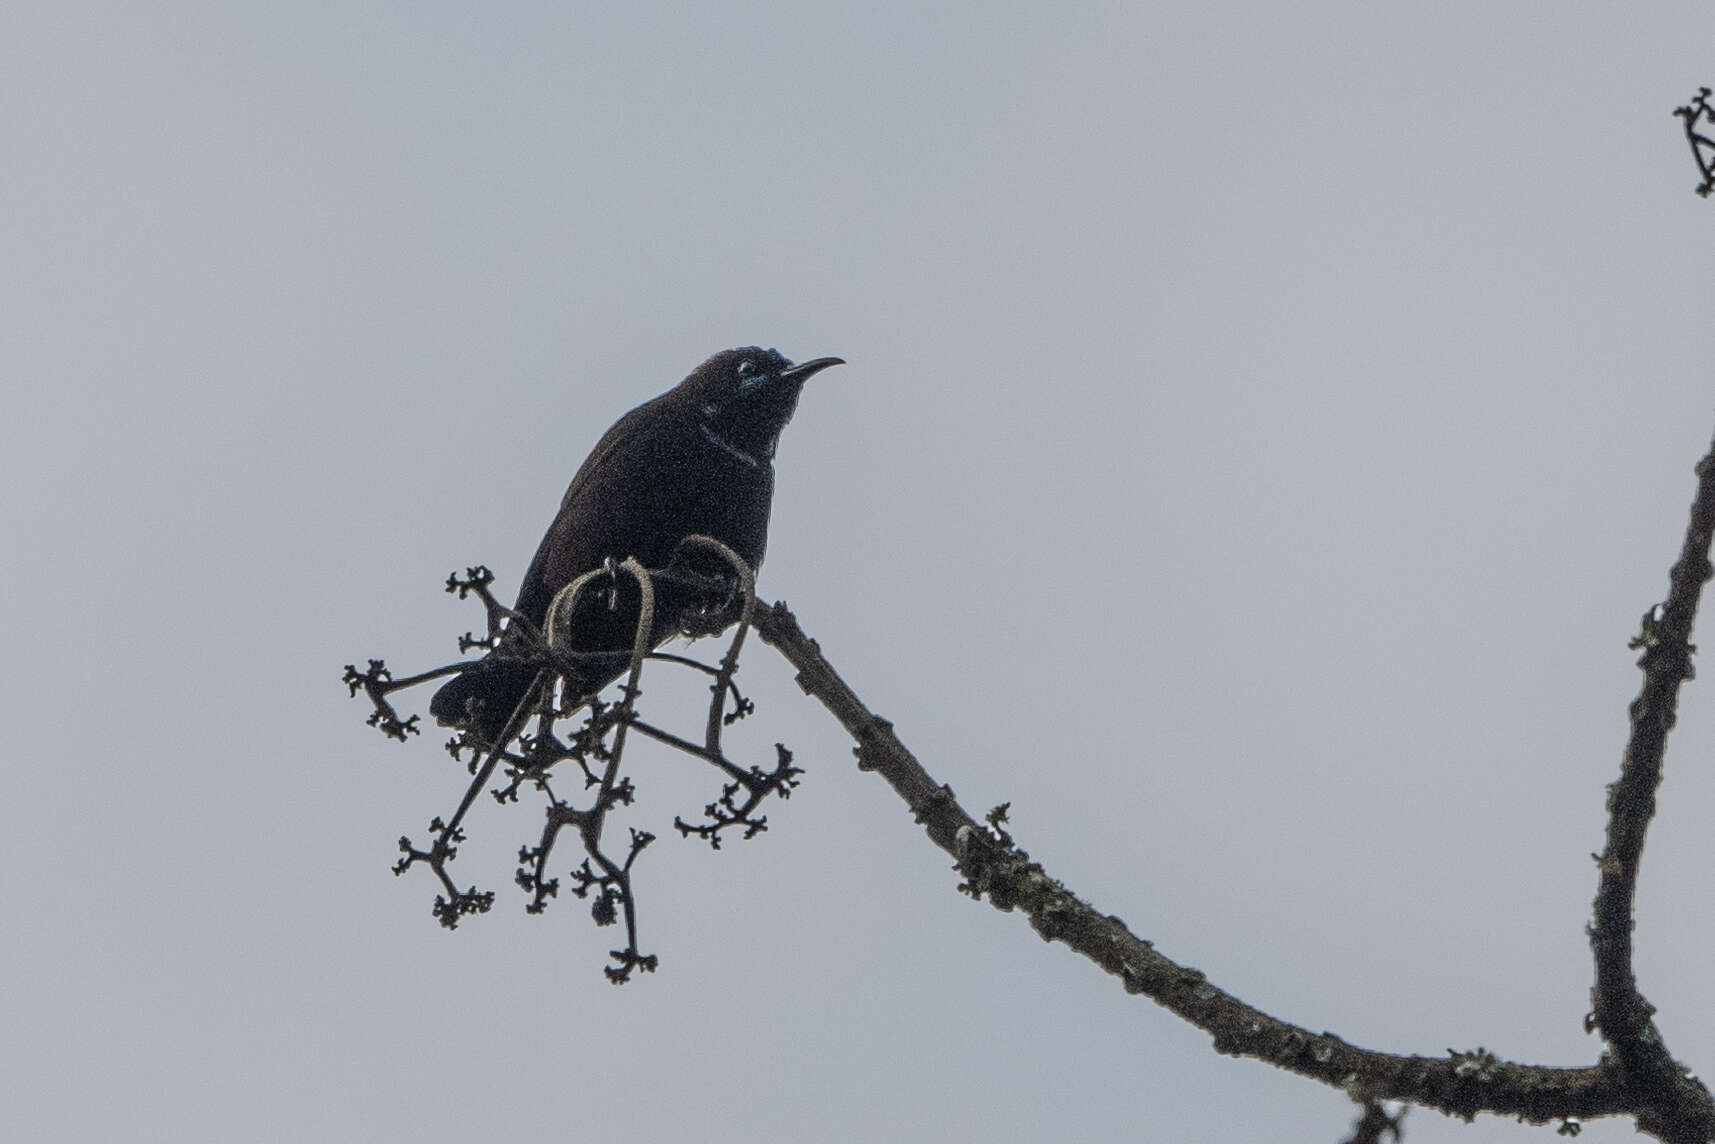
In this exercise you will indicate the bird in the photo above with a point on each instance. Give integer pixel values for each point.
(698, 459)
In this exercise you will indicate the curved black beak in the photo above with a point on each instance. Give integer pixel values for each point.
(803, 371)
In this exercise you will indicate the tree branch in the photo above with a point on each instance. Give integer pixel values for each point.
(1638, 1079)
(1619, 1010)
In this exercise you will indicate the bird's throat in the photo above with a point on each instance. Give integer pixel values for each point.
(728, 447)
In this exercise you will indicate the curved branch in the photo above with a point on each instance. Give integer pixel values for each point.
(1460, 1083)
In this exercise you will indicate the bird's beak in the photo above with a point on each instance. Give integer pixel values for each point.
(803, 371)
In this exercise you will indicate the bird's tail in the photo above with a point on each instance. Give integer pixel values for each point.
(496, 685)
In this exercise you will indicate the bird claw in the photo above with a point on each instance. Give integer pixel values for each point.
(712, 618)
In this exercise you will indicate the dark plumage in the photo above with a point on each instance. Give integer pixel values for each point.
(697, 459)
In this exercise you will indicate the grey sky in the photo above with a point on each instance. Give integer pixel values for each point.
(1264, 427)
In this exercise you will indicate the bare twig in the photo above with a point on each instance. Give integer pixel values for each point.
(1375, 1125)
(1702, 147)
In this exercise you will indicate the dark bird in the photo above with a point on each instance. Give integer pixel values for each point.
(696, 460)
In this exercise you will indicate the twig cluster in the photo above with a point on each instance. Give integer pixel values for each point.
(536, 753)
(1702, 147)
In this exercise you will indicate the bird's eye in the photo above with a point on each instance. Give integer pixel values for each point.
(710, 409)
(746, 368)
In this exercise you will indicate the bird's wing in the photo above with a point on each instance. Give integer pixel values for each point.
(605, 493)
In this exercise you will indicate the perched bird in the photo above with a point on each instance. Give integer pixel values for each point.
(696, 460)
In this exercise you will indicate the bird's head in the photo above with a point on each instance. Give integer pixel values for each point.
(745, 397)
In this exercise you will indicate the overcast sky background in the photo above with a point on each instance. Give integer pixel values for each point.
(1264, 426)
